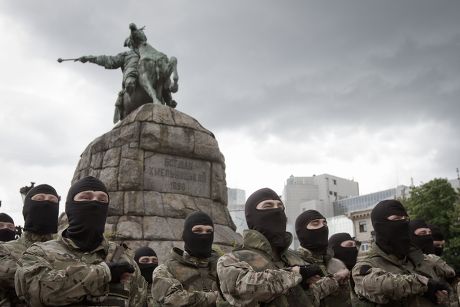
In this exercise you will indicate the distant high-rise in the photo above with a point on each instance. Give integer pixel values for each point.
(236, 201)
(317, 193)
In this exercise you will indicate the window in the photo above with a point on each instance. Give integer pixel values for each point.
(334, 181)
(362, 226)
(330, 192)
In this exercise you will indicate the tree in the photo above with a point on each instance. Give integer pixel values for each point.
(438, 203)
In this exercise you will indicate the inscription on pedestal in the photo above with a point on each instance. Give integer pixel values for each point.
(166, 173)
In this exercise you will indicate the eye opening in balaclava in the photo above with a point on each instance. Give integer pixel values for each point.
(347, 255)
(424, 242)
(146, 268)
(392, 237)
(315, 240)
(198, 245)
(269, 222)
(437, 236)
(86, 218)
(6, 234)
(40, 217)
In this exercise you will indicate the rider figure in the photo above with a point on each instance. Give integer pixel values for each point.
(128, 62)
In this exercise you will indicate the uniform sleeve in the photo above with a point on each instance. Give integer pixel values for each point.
(109, 62)
(138, 288)
(324, 287)
(39, 283)
(441, 268)
(7, 268)
(241, 285)
(168, 291)
(380, 286)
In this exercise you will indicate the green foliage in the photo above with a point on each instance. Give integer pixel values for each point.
(438, 203)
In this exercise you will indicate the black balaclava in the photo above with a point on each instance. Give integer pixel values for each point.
(348, 255)
(198, 245)
(392, 237)
(315, 240)
(5, 233)
(40, 217)
(146, 268)
(271, 222)
(425, 243)
(437, 236)
(86, 218)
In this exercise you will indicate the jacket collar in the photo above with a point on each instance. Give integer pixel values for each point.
(185, 258)
(28, 238)
(307, 255)
(104, 246)
(252, 239)
(415, 256)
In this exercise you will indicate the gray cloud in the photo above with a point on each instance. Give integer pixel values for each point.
(295, 71)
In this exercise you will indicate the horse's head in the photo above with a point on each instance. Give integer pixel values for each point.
(137, 36)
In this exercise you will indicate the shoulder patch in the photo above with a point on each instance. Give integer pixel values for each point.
(365, 269)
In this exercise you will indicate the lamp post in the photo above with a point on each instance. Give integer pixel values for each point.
(24, 190)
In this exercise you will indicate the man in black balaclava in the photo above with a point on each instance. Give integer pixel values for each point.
(189, 277)
(147, 260)
(312, 232)
(40, 211)
(265, 213)
(7, 228)
(438, 240)
(263, 258)
(410, 279)
(391, 224)
(421, 236)
(86, 208)
(344, 248)
(81, 267)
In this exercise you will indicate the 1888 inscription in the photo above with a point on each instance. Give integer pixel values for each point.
(166, 173)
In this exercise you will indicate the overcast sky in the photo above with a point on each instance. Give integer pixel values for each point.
(361, 89)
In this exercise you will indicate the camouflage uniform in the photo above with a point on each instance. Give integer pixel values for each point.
(390, 281)
(327, 291)
(249, 276)
(10, 253)
(458, 291)
(436, 267)
(58, 273)
(184, 280)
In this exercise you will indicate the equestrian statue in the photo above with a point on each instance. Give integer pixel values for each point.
(148, 75)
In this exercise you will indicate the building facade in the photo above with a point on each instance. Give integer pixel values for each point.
(316, 192)
(236, 201)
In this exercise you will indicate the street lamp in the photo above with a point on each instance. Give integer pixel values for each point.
(25, 190)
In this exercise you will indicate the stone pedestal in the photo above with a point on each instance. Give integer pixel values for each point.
(159, 165)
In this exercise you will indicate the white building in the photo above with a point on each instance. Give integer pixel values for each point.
(236, 201)
(317, 193)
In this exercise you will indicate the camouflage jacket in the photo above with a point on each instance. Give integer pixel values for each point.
(184, 280)
(327, 291)
(127, 61)
(381, 279)
(10, 253)
(57, 273)
(434, 267)
(250, 276)
(458, 292)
